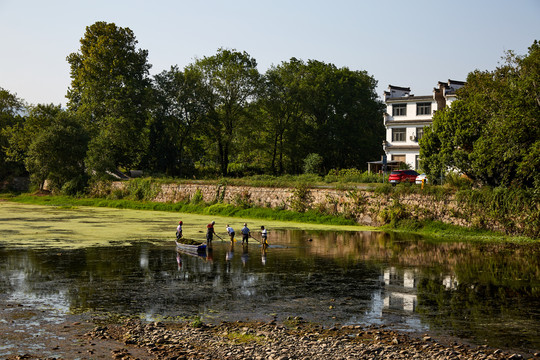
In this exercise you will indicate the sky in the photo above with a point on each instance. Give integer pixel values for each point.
(411, 43)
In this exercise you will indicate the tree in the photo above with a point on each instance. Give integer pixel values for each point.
(22, 134)
(318, 108)
(283, 106)
(110, 91)
(229, 81)
(344, 115)
(492, 132)
(57, 154)
(11, 109)
(176, 113)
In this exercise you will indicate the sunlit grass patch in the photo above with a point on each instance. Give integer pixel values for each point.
(245, 337)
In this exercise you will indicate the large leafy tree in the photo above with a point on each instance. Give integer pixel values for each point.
(345, 116)
(21, 135)
(492, 132)
(177, 111)
(229, 82)
(317, 108)
(283, 109)
(57, 154)
(110, 92)
(11, 110)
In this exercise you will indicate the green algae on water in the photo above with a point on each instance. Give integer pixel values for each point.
(40, 226)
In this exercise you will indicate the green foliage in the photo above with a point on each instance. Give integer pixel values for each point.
(197, 198)
(356, 205)
(458, 181)
(491, 132)
(216, 116)
(57, 153)
(10, 108)
(196, 322)
(318, 108)
(228, 81)
(21, 135)
(142, 189)
(243, 200)
(352, 176)
(394, 214)
(313, 164)
(516, 210)
(176, 117)
(301, 198)
(110, 92)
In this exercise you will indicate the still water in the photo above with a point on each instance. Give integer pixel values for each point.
(485, 294)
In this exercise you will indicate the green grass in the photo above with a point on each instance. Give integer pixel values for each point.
(290, 181)
(437, 230)
(218, 209)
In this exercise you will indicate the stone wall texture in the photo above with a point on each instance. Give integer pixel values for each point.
(367, 207)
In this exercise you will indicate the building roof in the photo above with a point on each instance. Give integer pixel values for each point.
(449, 86)
(392, 87)
(411, 98)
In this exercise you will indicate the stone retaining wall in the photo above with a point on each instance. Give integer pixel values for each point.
(366, 207)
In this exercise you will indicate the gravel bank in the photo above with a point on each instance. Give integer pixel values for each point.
(297, 340)
(27, 333)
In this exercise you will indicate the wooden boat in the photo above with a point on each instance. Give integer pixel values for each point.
(190, 246)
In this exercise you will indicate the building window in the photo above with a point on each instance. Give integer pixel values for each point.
(417, 162)
(419, 133)
(400, 158)
(399, 109)
(398, 134)
(423, 109)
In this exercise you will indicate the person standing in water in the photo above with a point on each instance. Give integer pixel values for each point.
(210, 231)
(245, 233)
(230, 231)
(179, 230)
(264, 236)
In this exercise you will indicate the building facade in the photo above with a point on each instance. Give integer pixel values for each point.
(406, 116)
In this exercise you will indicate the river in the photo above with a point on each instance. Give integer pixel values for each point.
(480, 293)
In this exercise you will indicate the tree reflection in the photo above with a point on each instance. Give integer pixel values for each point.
(489, 293)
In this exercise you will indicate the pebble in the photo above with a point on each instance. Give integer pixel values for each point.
(277, 342)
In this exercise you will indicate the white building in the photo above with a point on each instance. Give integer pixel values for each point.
(407, 115)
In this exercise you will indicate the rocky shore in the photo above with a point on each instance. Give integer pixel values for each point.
(295, 339)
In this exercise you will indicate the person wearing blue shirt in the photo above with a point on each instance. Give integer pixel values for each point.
(245, 233)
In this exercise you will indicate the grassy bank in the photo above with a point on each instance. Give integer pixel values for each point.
(219, 209)
(439, 231)
(432, 229)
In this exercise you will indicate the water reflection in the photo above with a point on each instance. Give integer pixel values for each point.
(485, 293)
(400, 289)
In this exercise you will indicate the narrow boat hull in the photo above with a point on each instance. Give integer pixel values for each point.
(201, 248)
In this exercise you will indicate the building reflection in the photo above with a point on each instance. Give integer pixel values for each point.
(400, 289)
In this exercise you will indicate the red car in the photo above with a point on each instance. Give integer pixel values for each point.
(398, 176)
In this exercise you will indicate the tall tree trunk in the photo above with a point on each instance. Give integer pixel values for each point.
(274, 154)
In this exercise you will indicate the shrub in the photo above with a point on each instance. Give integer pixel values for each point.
(243, 199)
(352, 176)
(142, 189)
(301, 198)
(197, 198)
(394, 213)
(313, 164)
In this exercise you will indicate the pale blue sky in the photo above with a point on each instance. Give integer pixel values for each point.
(404, 43)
